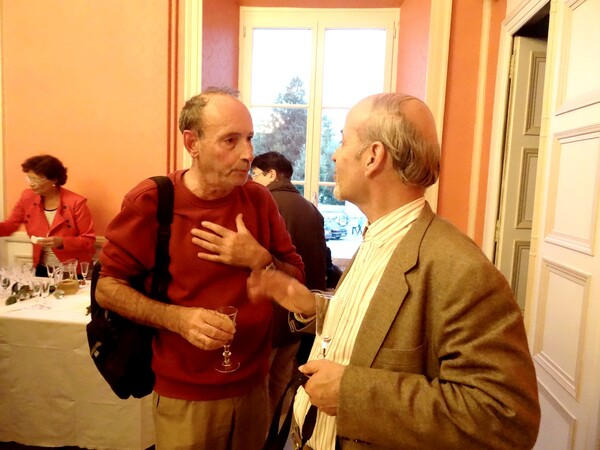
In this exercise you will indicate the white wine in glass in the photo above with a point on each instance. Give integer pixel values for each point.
(322, 300)
(228, 364)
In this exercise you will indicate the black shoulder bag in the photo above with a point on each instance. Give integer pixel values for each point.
(120, 348)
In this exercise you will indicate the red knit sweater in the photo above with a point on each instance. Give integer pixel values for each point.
(182, 370)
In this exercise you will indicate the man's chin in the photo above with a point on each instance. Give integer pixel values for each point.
(337, 193)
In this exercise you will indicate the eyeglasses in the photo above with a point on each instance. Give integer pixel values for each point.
(35, 181)
(253, 174)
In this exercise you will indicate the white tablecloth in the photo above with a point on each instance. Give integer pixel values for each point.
(50, 391)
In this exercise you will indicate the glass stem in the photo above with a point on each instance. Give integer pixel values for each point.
(226, 355)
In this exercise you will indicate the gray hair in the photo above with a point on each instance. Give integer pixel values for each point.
(415, 158)
(191, 114)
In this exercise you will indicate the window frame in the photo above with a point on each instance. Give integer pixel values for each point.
(318, 20)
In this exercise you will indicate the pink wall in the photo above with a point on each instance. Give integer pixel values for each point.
(88, 82)
(220, 43)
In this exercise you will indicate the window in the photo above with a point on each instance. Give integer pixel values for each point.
(300, 72)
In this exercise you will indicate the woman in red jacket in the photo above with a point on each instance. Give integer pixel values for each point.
(58, 221)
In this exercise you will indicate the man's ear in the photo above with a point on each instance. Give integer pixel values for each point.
(272, 175)
(189, 142)
(375, 157)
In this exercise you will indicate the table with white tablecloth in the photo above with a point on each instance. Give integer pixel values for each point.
(51, 394)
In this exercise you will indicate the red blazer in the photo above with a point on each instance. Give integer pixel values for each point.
(73, 222)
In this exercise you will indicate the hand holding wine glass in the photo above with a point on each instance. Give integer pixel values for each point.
(228, 364)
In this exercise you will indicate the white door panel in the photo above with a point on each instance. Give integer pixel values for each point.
(564, 286)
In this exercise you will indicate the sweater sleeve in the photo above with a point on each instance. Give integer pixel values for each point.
(131, 235)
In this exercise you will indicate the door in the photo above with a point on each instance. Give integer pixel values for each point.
(564, 302)
(520, 162)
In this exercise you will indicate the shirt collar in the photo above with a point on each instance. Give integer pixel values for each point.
(384, 228)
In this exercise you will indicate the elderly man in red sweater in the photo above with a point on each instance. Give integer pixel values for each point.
(223, 229)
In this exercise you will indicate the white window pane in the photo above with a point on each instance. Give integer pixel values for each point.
(354, 65)
(281, 130)
(332, 123)
(279, 56)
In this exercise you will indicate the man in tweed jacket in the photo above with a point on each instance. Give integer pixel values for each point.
(428, 346)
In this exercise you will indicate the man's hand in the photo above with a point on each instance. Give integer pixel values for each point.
(205, 328)
(323, 385)
(236, 248)
(285, 290)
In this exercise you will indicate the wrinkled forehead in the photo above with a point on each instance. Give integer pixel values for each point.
(224, 111)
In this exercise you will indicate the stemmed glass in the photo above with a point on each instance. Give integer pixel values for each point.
(45, 290)
(84, 267)
(37, 292)
(228, 364)
(322, 301)
(71, 268)
(5, 282)
(50, 269)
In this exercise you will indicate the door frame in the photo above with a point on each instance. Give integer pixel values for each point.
(516, 19)
(511, 26)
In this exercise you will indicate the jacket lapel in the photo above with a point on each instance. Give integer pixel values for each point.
(390, 294)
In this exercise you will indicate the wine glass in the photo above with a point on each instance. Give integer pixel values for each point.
(228, 364)
(5, 282)
(36, 293)
(50, 269)
(322, 300)
(71, 268)
(84, 267)
(58, 274)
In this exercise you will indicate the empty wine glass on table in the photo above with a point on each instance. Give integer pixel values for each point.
(5, 282)
(36, 293)
(84, 266)
(58, 274)
(50, 269)
(322, 301)
(228, 364)
(71, 268)
(45, 288)
(42, 291)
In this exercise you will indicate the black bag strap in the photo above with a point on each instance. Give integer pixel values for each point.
(277, 438)
(164, 215)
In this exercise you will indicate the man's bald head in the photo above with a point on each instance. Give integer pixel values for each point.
(405, 126)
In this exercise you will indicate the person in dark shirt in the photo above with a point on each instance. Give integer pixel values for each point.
(305, 224)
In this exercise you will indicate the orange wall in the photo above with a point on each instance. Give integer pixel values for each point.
(459, 116)
(413, 43)
(498, 14)
(459, 121)
(91, 83)
(97, 84)
(323, 3)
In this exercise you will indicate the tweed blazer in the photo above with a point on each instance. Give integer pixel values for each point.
(441, 359)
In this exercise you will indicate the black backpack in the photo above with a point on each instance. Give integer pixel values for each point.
(120, 348)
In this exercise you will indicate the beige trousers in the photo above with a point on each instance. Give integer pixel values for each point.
(238, 423)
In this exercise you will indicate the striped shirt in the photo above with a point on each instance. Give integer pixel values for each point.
(350, 303)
